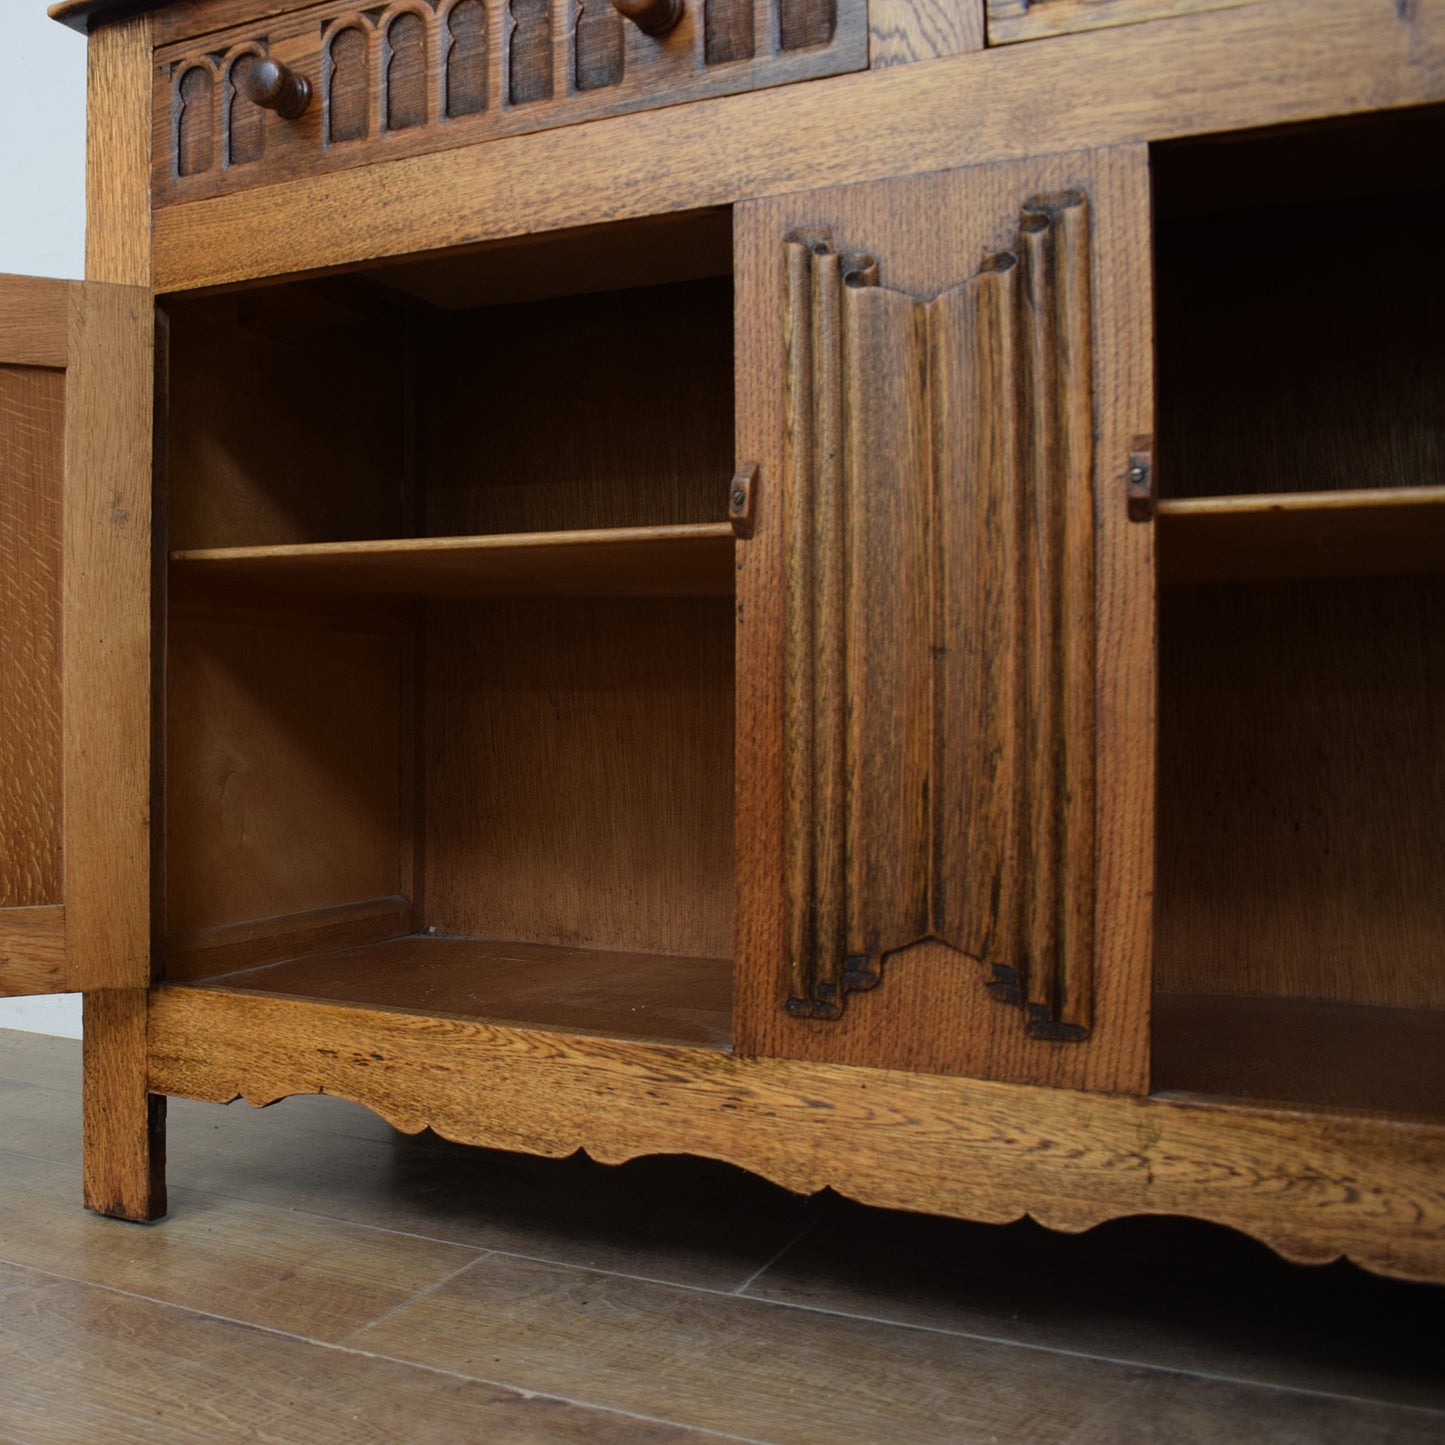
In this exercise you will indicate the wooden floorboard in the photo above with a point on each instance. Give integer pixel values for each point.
(324, 1278)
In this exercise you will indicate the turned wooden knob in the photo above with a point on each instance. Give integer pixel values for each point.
(652, 17)
(277, 87)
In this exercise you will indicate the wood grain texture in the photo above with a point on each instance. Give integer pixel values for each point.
(106, 643)
(33, 313)
(1297, 1051)
(226, 947)
(925, 1015)
(693, 560)
(285, 422)
(1360, 533)
(172, 1364)
(644, 434)
(1302, 790)
(32, 950)
(619, 995)
(387, 78)
(32, 425)
(578, 784)
(902, 31)
(117, 138)
(1310, 1185)
(1265, 64)
(283, 770)
(1010, 20)
(124, 1173)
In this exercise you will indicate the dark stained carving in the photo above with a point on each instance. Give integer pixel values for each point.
(466, 58)
(406, 71)
(195, 121)
(806, 22)
(599, 44)
(531, 69)
(348, 83)
(940, 670)
(727, 31)
(245, 128)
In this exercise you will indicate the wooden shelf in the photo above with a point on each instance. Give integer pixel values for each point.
(694, 560)
(621, 995)
(1297, 1051)
(1362, 533)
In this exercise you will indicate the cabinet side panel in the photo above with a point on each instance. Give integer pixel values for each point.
(32, 409)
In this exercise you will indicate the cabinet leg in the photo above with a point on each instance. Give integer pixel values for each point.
(125, 1125)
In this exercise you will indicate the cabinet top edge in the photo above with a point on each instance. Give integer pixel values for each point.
(85, 15)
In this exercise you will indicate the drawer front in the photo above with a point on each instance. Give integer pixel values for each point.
(415, 76)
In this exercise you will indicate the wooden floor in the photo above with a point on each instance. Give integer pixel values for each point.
(322, 1279)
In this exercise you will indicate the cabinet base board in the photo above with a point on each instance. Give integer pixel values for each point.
(1312, 1185)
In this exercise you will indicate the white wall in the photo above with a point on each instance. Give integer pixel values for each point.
(42, 233)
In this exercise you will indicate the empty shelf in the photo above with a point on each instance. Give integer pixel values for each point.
(622, 995)
(1302, 534)
(693, 560)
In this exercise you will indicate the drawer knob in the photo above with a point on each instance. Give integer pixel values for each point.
(652, 17)
(277, 87)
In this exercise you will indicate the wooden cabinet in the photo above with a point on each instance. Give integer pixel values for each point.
(670, 624)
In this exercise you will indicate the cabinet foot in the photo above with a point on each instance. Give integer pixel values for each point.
(125, 1125)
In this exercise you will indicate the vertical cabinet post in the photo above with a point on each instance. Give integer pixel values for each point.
(946, 624)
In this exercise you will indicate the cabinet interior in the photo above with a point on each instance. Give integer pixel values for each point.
(1301, 553)
(450, 636)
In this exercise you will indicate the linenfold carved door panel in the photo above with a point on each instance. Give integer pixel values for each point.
(76, 364)
(943, 378)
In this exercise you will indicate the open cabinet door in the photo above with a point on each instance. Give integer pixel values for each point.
(945, 627)
(75, 548)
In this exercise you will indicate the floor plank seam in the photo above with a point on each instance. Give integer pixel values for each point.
(767, 1264)
(415, 1298)
(346, 1349)
(1243, 1381)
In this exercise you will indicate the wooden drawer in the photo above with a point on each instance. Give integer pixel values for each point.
(417, 76)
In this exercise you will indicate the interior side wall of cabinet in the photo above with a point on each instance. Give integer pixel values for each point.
(1006, 365)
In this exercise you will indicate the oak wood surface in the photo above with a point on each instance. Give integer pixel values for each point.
(621, 995)
(124, 1170)
(1302, 790)
(117, 140)
(1298, 1051)
(1311, 1185)
(633, 429)
(933, 1010)
(225, 947)
(32, 950)
(1262, 64)
(1302, 534)
(33, 313)
(106, 642)
(578, 774)
(694, 559)
(902, 31)
(407, 81)
(283, 770)
(32, 501)
(1010, 20)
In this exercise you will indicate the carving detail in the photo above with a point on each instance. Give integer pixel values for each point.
(348, 83)
(406, 71)
(531, 69)
(195, 120)
(939, 667)
(466, 84)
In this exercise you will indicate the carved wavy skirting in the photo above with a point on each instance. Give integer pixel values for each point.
(939, 770)
(1312, 1186)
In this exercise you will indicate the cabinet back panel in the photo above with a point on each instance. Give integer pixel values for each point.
(1302, 791)
(1302, 349)
(285, 422)
(283, 786)
(609, 410)
(579, 773)
(32, 408)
